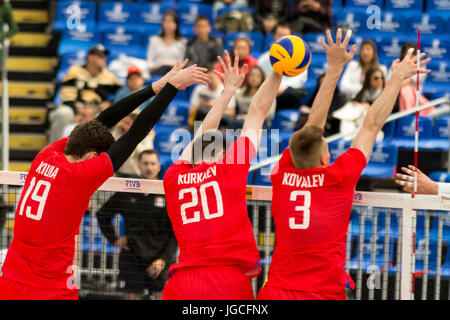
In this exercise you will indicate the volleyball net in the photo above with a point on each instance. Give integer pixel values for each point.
(397, 247)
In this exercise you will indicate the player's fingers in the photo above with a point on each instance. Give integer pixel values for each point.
(409, 170)
(221, 63)
(338, 36)
(409, 53)
(220, 75)
(329, 38)
(183, 64)
(347, 38)
(244, 70)
(236, 59)
(324, 44)
(353, 51)
(227, 60)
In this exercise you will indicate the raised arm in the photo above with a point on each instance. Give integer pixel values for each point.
(337, 58)
(232, 80)
(259, 108)
(112, 115)
(383, 105)
(122, 148)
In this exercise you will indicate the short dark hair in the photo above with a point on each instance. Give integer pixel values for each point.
(149, 152)
(282, 25)
(201, 17)
(207, 141)
(305, 147)
(89, 136)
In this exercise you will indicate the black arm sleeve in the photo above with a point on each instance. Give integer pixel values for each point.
(121, 150)
(112, 115)
(105, 215)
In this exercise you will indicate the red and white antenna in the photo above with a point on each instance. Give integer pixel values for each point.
(416, 134)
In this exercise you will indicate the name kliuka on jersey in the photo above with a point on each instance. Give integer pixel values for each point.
(295, 180)
(47, 170)
(197, 177)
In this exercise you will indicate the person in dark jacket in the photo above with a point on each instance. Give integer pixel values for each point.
(203, 48)
(332, 124)
(148, 246)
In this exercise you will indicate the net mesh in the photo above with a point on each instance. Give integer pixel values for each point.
(374, 247)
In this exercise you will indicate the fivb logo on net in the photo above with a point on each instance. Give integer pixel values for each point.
(268, 144)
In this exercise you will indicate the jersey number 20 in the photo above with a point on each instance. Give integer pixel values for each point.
(305, 208)
(204, 201)
(34, 196)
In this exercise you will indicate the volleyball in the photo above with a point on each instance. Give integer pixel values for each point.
(290, 56)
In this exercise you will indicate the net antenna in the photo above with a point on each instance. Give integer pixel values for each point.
(416, 134)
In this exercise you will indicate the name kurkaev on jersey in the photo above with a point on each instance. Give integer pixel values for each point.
(197, 177)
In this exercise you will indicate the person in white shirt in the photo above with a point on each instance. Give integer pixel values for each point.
(354, 74)
(168, 48)
(289, 96)
(424, 184)
(203, 98)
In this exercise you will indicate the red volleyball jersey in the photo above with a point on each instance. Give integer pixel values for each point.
(311, 210)
(208, 210)
(54, 198)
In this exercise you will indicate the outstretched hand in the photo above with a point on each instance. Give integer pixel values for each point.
(337, 55)
(183, 78)
(231, 77)
(424, 184)
(408, 66)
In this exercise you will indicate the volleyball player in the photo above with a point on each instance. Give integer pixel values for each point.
(61, 180)
(312, 199)
(205, 192)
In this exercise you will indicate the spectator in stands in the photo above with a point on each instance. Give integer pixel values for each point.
(256, 77)
(311, 16)
(353, 113)
(268, 13)
(424, 184)
(332, 124)
(84, 113)
(203, 48)
(130, 168)
(90, 83)
(135, 82)
(203, 98)
(354, 74)
(148, 245)
(243, 46)
(407, 97)
(290, 93)
(168, 48)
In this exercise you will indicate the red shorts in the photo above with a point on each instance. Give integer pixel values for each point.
(272, 293)
(208, 283)
(12, 290)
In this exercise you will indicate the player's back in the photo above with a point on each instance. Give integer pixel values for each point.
(208, 211)
(55, 196)
(311, 210)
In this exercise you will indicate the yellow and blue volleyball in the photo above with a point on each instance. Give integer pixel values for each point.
(290, 56)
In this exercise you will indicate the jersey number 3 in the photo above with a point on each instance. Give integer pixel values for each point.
(305, 208)
(204, 201)
(41, 199)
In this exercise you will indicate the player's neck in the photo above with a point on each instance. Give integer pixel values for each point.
(72, 159)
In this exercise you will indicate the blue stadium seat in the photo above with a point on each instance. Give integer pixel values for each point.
(268, 41)
(440, 72)
(188, 12)
(404, 6)
(362, 4)
(383, 162)
(176, 114)
(440, 176)
(70, 13)
(284, 140)
(170, 139)
(427, 23)
(285, 120)
(393, 23)
(69, 59)
(436, 47)
(269, 145)
(435, 89)
(262, 177)
(313, 41)
(404, 137)
(165, 160)
(113, 13)
(439, 6)
(439, 139)
(153, 12)
(349, 17)
(391, 46)
(318, 66)
(336, 148)
(257, 39)
(74, 40)
(122, 40)
(389, 131)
